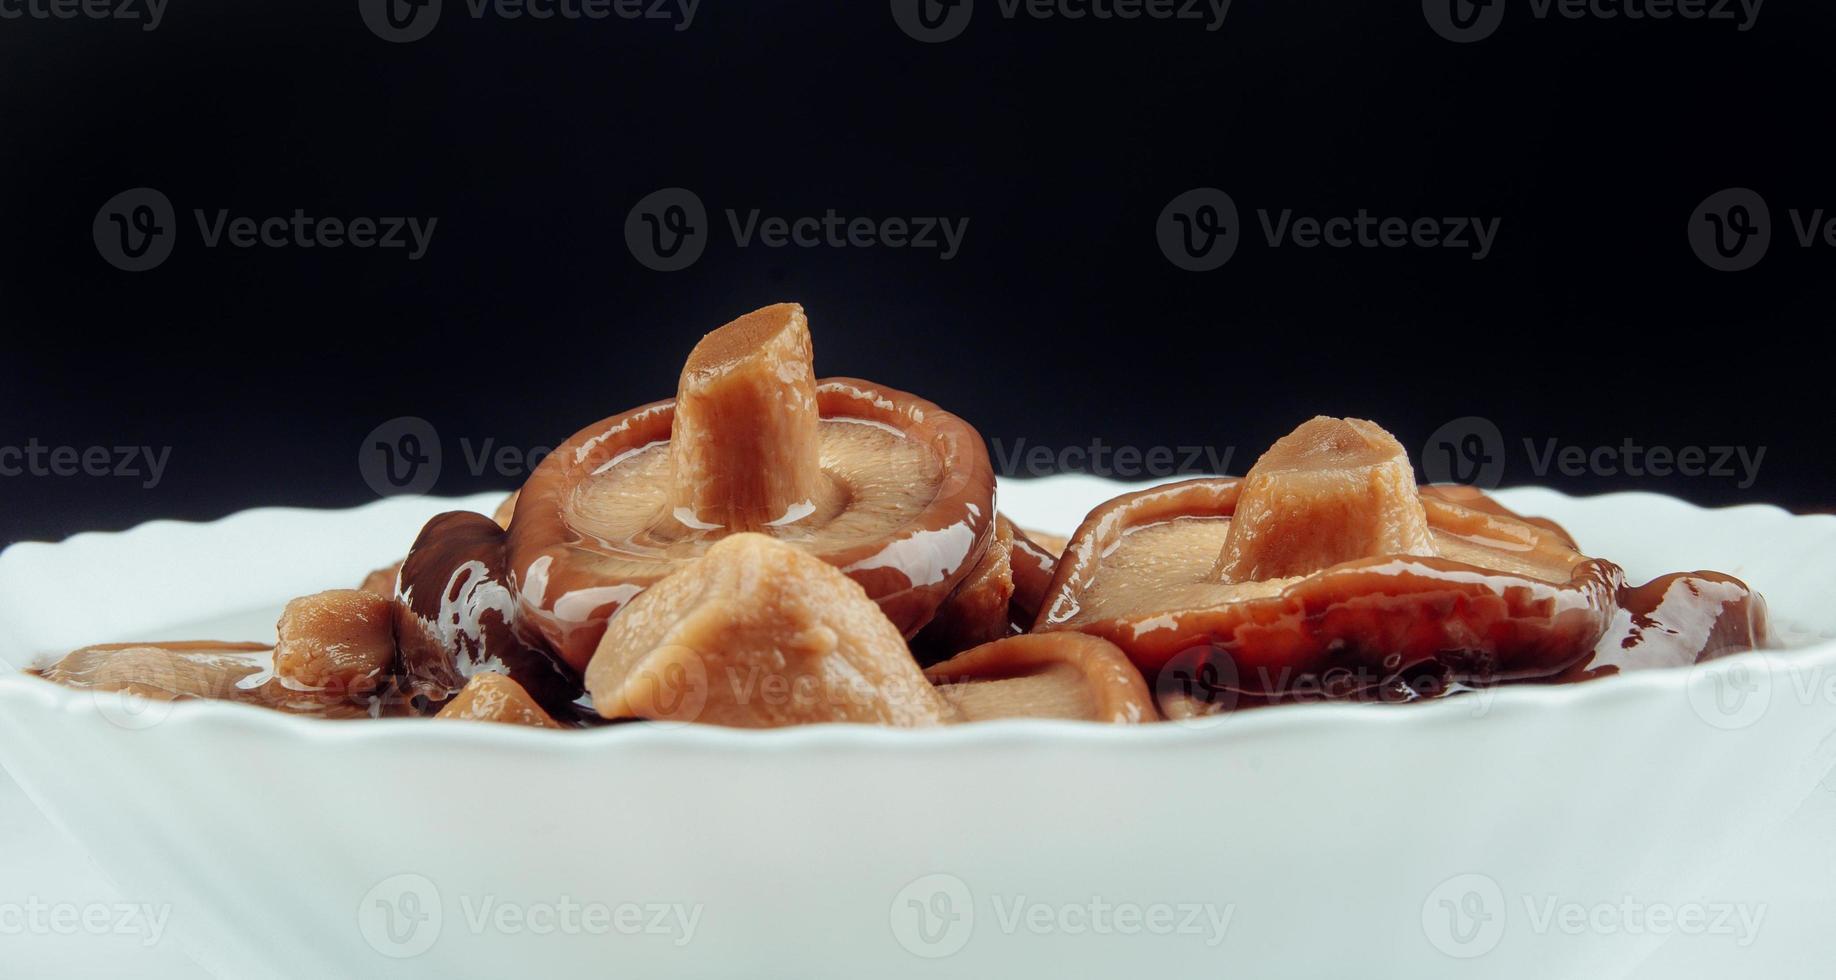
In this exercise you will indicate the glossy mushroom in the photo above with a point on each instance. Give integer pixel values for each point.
(1072, 676)
(491, 696)
(757, 633)
(883, 485)
(457, 616)
(1001, 596)
(172, 670)
(1324, 568)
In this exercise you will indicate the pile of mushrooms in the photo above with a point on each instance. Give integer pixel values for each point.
(768, 549)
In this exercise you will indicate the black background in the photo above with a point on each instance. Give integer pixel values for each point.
(1060, 322)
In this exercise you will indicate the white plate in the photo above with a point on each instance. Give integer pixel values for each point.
(1430, 840)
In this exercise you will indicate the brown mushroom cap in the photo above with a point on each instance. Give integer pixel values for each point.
(1397, 578)
(457, 616)
(884, 485)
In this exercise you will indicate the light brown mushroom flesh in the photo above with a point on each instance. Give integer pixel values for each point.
(757, 633)
(889, 488)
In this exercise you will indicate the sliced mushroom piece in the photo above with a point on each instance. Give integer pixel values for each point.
(885, 486)
(207, 669)
(1000, 597)
(456, 616)
(1162, 574)
(1045, 675)
(757, 633)
(1034, 561)
(163, 671)
(490, 696)
(340, 642)
(977, 612)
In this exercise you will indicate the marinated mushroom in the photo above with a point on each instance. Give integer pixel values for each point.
(1034, 561)
(977, 612)
(1324, 569)
(1045, 675)
(207, 669)
(758, 633)
(885, 486)
(340, 642)
(456, 616)
(383, 580)
(491, 696)
(1001, 596)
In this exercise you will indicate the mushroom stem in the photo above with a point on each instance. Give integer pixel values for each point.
(1331, 491)
(745, 446)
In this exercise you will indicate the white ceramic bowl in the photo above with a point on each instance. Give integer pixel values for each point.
(1462, 837)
